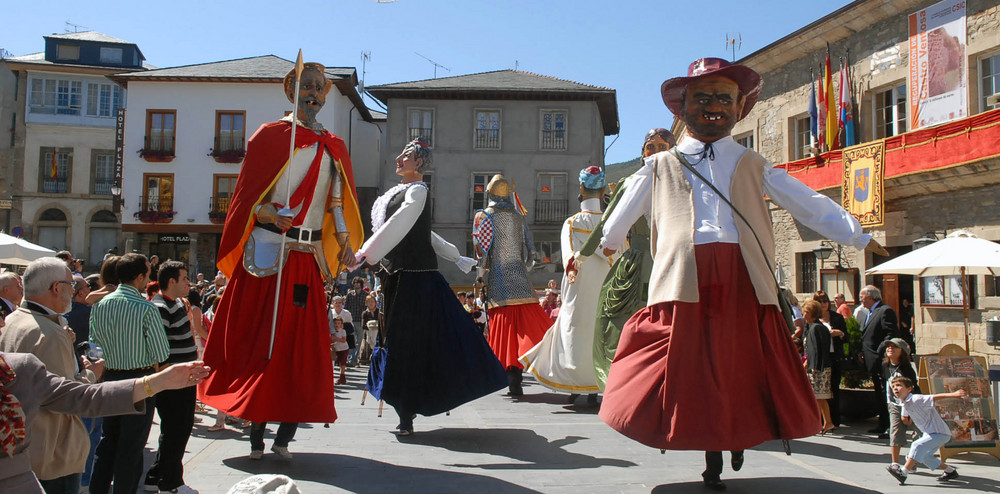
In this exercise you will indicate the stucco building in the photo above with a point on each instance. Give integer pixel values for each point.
(538, 131)
(56, 165)
(185, 138)
(936, 179)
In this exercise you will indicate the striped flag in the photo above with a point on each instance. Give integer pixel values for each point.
(54, 169)
(813, 115)
(831, 106)
(821, 115)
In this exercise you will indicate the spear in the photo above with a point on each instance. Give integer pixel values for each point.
(288, 193)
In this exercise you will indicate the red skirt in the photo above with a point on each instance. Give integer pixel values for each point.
(515, 329)
(721, 374)
(296, 384)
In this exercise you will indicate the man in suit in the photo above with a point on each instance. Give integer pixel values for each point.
(882, 325)
(11, 292)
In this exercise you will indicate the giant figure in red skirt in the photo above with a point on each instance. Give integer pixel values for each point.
(709, 364)
(317, 213)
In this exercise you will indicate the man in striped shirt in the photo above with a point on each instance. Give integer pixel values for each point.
(175, 407)
(130, 330)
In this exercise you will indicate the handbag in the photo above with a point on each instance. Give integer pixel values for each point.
(783, 304)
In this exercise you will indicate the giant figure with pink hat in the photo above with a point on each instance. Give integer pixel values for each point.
(709, 364)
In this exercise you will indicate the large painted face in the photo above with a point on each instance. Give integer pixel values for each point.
(654, 145)
(712, 106)
(406, 164)
(312, 95)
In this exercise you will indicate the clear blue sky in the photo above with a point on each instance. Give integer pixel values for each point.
(629, 45)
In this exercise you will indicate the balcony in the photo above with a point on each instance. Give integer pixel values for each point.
(554, 139)
(228, 150)
(157, 208)
(551, 210)
(157, 148)
(103, 188)
(55, 185)
(487, 139)
(423, 133)
(218, 208)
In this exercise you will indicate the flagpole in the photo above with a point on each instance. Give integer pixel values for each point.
(288, 194)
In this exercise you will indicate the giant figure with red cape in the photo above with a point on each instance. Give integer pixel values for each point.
(277, 367)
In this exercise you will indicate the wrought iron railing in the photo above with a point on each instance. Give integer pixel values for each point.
(423, 133)
(487, 138)
(218, 208)
(157, 146)
(103, 188)
(229, 149)
(54, 185)
(551, 210)
(553, 139)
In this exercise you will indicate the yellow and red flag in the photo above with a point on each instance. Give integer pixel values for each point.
(54, 170)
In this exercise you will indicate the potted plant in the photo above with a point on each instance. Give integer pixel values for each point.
(217, 216)
(858, 399)
(154, 216)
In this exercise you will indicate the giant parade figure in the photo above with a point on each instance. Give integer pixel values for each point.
(515, 319)
(564, 359)
(709, 364)
(293, 223)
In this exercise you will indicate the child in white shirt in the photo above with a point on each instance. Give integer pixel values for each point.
(338, 343)
(920, 411)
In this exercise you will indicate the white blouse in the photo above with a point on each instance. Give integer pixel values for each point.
(714, 219)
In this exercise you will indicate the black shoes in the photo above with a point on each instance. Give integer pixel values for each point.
(944, 477)
(514, 378)
(897, 472)
(714, 484)
(572, 398)
(737, 461)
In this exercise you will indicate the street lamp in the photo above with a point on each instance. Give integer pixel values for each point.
(116, 198)
(826, 248)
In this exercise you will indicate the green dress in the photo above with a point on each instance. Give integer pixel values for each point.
(625, 288)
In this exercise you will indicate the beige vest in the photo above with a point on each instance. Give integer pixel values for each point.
(675, 272)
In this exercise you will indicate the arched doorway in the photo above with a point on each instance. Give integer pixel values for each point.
(52, 225)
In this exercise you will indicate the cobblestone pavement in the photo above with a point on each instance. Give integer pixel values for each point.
(538, 444)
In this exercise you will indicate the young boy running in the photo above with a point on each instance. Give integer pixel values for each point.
(920, 411)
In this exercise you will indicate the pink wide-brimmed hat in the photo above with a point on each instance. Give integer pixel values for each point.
(748, 80)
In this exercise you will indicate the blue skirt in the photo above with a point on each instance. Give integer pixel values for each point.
(436, 356)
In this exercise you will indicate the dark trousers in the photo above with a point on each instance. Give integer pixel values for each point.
(284, 435)
(883, 409)
(835, 376)
(713, 465)
(176, 411)
(69, 484)
(119, 454)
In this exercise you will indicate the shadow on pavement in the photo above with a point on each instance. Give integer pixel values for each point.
(766, 485)
(531, 450)
(354, 474)
(827, 451)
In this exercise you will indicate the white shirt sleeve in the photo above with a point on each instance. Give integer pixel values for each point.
(395, 227)
(635, 202)
(447, 251)
(346, 316)
(813, 209)
(566, 241)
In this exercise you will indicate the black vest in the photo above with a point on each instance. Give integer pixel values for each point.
(414, 252)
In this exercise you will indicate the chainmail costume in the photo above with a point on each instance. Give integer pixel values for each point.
(507, 278)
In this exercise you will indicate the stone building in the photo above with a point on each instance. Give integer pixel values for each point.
(538, 131)
(56, 165)
(185, 135)
(927, 191)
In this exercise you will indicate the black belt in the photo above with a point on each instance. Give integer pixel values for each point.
(293, 233)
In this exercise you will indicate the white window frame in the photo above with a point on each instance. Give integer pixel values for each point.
(799, 144)
(45, 95)
(747, 135)
(473, 207)
(104, 161)
(982, 80)
(896, 118)
(541, 129)
(104, 100)
(475, 128)
(409, 119)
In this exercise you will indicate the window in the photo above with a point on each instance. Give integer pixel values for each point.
(159, 192)
(104, 100)
(551, 201)
(103, 162)
(806, 275)
(990, 72)
(222, 193)
(230, 130)
(553, 126)
(487, 130)
(477, 198)
(745, 140)
(890, 112)
(803, 138)
(111, 55)
(550, 253)
(421, 124)
(52, 226)
(55, 96)
(160, 132)
(67, 52)
(54, 169)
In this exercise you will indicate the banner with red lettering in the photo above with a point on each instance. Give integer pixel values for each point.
(937, 79)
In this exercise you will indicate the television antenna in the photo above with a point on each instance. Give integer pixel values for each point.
(734, 42)
(385, 1)
(73, 28)
(436, 65)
